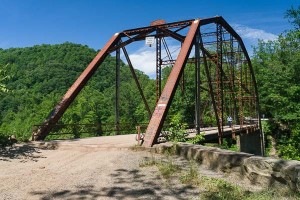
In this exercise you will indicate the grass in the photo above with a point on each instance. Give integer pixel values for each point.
(166, 168)
(191, 176)
(213, 188)
(148, 162)
(136, 147)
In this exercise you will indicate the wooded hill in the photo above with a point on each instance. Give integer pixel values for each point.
(39, 76)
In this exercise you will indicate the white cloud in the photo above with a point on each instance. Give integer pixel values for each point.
(254, 34)
(144, 58)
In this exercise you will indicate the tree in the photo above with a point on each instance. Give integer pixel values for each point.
(277, 66)
(3, 78)
(40, 75)
(3, 89)
(293, 16)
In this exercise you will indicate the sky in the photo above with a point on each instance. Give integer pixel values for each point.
(26, 23)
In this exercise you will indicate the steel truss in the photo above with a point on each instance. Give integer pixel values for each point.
(228, 77)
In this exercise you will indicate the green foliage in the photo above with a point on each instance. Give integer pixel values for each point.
(3, 89)
(184, 98)
(191, 176)
(149, 162)
(3, 79)
(4, 141)
(169, 168)
(40, 76)
(197, 139)
(277, 70)
(267, 127)
(293, 15)
(230, 144)
(220, 189)
(289, 146)
(177, 129)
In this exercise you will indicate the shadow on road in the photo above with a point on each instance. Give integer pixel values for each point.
(22, 152)
(126, 184)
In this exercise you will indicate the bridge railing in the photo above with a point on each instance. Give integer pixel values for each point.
(59, 131)
(67, 131)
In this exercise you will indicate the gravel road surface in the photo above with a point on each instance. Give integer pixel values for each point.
(93, 168)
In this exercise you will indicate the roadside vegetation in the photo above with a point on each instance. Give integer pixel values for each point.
(277, 70)
(209, 187)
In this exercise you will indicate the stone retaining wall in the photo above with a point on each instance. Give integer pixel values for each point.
(264, 171)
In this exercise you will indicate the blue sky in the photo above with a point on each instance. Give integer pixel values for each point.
(91, 22)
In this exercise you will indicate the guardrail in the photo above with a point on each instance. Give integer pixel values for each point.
(77, 130)
(103, 129)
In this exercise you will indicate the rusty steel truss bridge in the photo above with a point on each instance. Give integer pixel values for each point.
(210, 45)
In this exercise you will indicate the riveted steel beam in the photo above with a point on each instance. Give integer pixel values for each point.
(74, 90)
(164, 102)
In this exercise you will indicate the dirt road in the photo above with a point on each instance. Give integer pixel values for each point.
(91, 168)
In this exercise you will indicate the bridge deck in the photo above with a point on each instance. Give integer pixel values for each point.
(211, 133)
(103, 142)
(126, 141)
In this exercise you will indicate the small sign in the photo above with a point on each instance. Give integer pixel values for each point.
(150, 40)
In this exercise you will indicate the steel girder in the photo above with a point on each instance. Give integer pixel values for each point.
(195, 37)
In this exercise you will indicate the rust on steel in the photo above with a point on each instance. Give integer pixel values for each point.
(158, 22)
(228, 60)
(165, 26)
(73, 91)
(164, 102)
(112, 45)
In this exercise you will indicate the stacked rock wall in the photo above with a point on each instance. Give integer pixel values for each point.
(263, 171)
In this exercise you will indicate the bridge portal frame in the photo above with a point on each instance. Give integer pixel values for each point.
(193, 38)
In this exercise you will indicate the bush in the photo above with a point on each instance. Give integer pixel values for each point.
(177, 129)
(4, 141)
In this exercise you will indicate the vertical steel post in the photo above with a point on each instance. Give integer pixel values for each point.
(221, 75)
(240, 94)
(117, 103)
(211, 90)
(74, 90)
(182, 81)
(182, 84)
(158, 67)
(165, 100)
(197, 83)
(137, 81)
(232, 79)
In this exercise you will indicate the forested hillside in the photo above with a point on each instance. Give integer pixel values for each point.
(37, 77)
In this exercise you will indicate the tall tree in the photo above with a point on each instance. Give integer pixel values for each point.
(3, 78)
(293, 16)
(277, 65)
